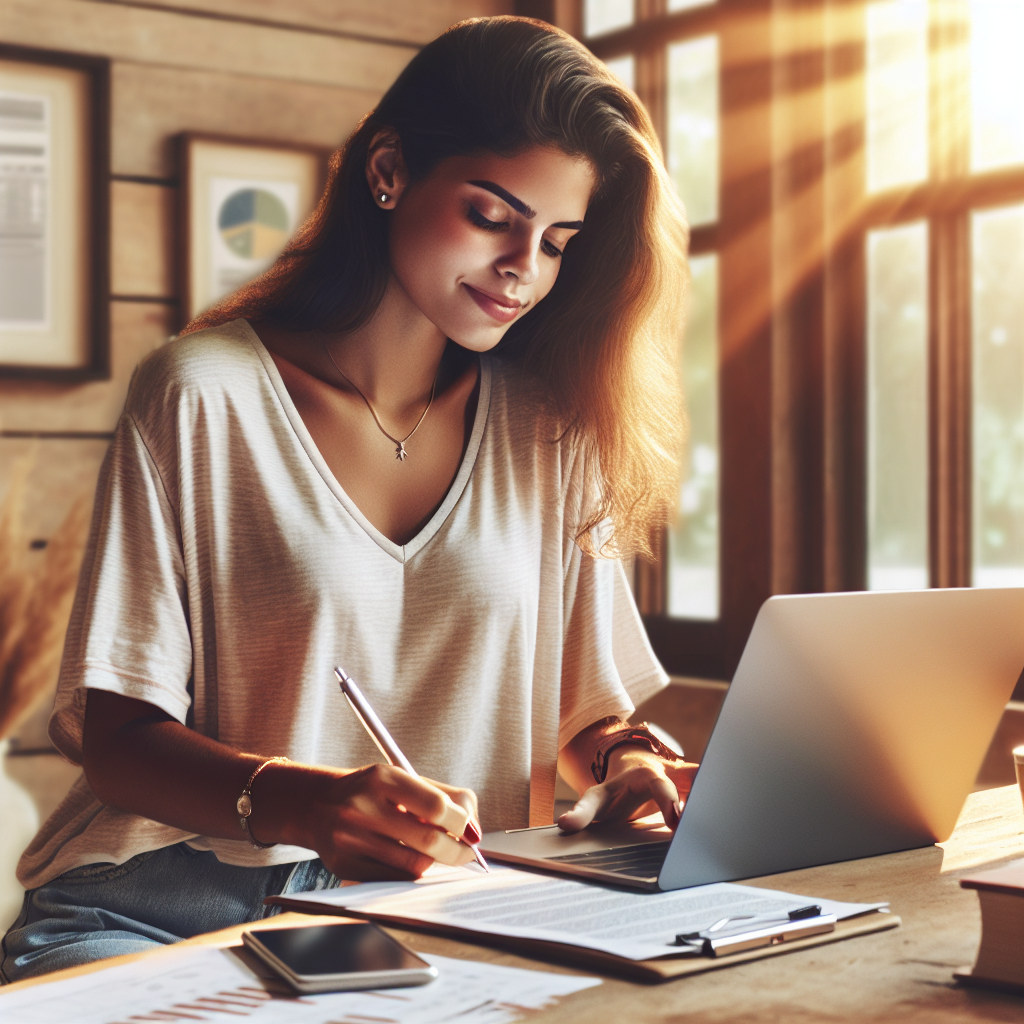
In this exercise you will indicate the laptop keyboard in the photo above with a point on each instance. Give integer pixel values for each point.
(641, 861)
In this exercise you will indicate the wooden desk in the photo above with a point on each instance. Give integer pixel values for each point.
(903, 974)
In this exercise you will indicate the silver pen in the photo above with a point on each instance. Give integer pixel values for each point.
(385, 743)
(737, 934)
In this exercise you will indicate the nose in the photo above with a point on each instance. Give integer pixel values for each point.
(519, 261)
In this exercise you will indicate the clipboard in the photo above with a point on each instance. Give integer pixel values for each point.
(597, 960)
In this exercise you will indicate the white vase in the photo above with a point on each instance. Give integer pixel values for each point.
(19, 822)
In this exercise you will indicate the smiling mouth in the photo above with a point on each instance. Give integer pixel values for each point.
(500, 308)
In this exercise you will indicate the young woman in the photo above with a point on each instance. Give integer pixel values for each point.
(409, 449)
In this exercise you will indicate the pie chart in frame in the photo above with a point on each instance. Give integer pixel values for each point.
(253, 223)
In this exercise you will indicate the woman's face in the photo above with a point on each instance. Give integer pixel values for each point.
(478, 243)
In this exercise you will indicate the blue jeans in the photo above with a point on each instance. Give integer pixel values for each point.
(156, 898)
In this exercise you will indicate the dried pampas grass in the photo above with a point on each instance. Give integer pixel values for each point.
(36, 594)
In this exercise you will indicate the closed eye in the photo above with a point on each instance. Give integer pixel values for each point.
(550, 249)
(477, 218)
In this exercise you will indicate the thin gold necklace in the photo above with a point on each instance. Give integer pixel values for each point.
(400, 453)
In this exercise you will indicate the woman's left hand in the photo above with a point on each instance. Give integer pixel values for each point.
(638, 783)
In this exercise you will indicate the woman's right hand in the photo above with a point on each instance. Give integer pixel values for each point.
(367, 823)
(370, 823)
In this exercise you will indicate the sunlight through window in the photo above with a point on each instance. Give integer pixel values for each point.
(624, 69)
(601, 16)
(897, 278)
(693, 126)
(693, 586)
(997, 238)
(997, 83)
(897, 93)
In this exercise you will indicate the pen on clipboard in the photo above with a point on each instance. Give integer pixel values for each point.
(385, 744)
(738, 934)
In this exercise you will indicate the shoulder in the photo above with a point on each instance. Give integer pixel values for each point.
(204, 365)
(525, 415)
(521, 402)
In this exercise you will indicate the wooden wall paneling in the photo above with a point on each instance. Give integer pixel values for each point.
(62, 471)
(400, 20)
(153, 104)
(144, 35)
(136, 329)
(142, 219)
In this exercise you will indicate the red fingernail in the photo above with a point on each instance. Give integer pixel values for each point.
(472, 833)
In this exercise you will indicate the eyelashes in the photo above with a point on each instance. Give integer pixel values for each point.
(482, 222)
(477, 218)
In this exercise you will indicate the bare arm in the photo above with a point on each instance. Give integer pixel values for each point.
(638, 782)
(365, 823)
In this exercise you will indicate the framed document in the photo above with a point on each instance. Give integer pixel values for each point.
(241, 202)
(54, 220)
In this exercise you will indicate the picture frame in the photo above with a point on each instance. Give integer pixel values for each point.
(54, 215)
(241, 201)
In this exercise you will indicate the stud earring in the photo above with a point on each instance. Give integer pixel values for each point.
(383, 198)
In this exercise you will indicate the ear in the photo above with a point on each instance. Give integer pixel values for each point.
(386, 172)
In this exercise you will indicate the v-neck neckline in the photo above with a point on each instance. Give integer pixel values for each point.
(400, 552)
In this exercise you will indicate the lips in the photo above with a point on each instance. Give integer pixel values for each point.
(499, 307)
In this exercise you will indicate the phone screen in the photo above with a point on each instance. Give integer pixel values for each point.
(338, 949)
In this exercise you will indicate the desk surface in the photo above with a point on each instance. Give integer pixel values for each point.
(905, 972)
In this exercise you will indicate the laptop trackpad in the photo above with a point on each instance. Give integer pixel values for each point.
(552, 842)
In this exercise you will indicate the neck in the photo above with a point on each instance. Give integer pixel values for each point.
(393, 359)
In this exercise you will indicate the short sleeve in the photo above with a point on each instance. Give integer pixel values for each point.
(129, 629)
(608, 665)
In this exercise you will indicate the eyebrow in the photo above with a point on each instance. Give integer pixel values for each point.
(519, 206)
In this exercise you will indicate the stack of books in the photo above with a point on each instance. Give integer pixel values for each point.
(1000, 962)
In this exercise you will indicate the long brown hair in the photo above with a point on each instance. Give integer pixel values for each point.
(605, 340)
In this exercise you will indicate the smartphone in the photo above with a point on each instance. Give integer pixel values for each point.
(338, 957)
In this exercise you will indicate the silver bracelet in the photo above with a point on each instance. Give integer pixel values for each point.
(244, 804)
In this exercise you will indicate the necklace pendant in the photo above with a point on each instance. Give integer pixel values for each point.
(400, 453)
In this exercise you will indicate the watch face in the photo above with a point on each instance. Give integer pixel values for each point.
(244, 805)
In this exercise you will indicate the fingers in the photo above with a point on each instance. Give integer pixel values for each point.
(682, 774)
(420, 797)
(638, 790)
(464, 798)
(663, 792)
(585, 810)
(380, 815)
(367, 856)
(429, 840)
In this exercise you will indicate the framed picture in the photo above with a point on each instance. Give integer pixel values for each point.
(241, 201)
(54, 219)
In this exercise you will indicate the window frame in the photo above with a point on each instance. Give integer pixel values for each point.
(792, 327)
(741, 240)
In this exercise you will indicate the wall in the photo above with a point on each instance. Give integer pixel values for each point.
(289, 70)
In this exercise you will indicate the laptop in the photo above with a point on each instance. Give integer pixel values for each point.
(855, 726)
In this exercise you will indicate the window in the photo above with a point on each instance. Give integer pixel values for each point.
(673, 53)
(943, 194)
(854, 359)
(679, 65)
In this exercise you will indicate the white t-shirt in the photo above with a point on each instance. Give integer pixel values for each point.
(227, 573)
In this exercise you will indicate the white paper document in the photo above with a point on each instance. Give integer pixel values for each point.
(209, 984)
(637, 926)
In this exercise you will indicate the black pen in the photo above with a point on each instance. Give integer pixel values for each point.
(386, 744)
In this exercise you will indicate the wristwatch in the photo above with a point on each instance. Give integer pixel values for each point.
(639, 735)
(244, 804)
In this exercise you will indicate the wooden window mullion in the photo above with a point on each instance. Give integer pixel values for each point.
(949, 356)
